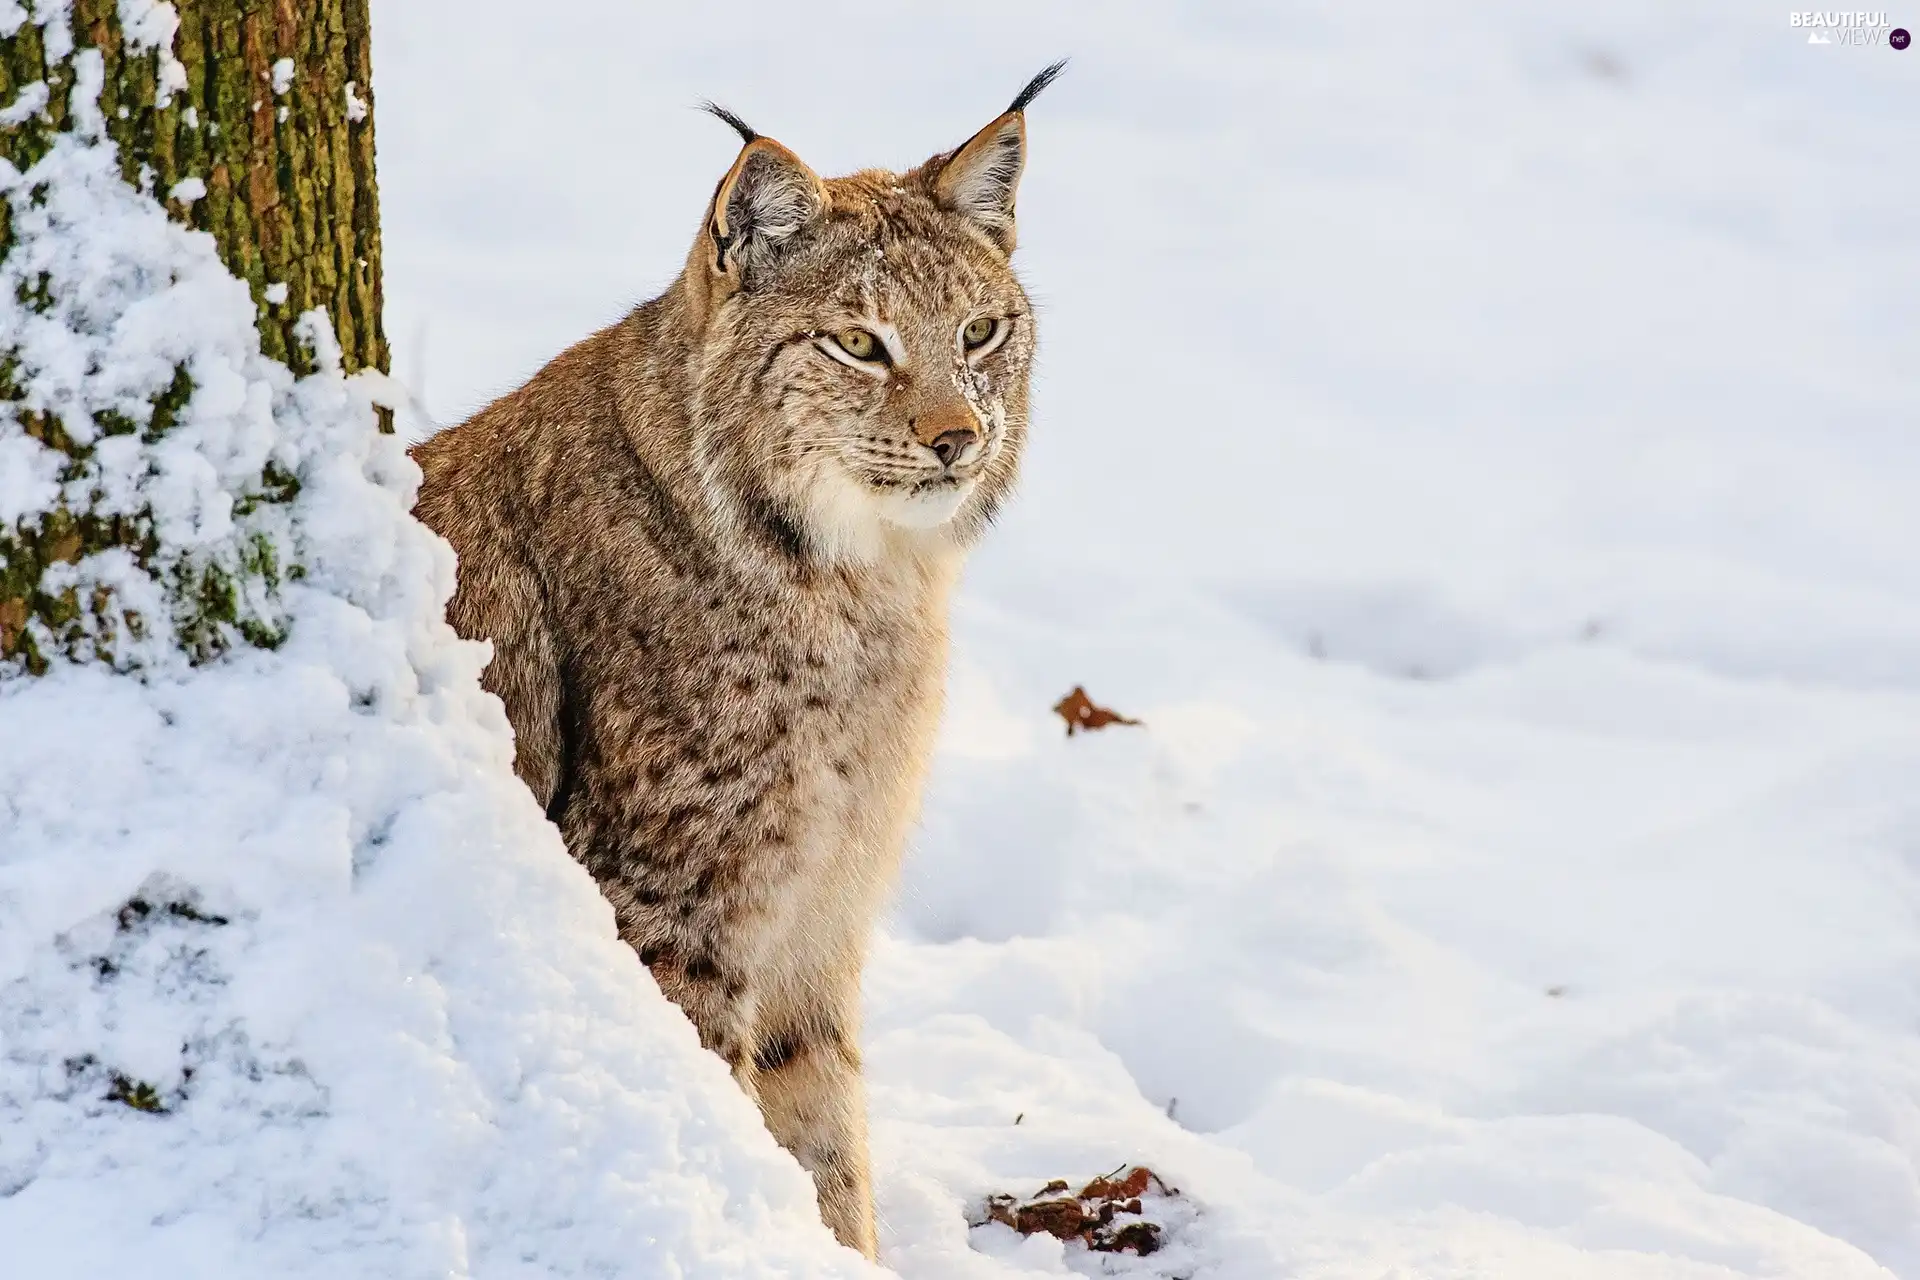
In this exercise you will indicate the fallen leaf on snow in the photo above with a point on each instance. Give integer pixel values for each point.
(1083, 713)
(1106, 1215)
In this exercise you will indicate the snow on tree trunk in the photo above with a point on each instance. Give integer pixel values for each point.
(257, 129)
(255, 126)
(295, 978)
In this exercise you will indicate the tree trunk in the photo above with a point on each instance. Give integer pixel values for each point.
(254, 124)
(284, 149)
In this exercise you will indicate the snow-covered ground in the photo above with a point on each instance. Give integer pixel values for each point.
(1480, 441)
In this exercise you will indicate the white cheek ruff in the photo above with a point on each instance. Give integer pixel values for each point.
(928, 509)
(844, 519)
(854, 523)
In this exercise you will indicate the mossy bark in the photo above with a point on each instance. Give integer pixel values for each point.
(290, 194)
(268, 147)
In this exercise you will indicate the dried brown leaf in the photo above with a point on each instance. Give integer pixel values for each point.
(1061, 1219)
(1083, 714)
(1093, 1216)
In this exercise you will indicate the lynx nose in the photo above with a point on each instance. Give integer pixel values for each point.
(949, 445)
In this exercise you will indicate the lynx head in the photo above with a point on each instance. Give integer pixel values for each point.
(862, 352)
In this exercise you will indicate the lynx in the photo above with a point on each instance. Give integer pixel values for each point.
(713, 546)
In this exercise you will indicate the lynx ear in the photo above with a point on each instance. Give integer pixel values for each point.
(766, 197)
(980, 179)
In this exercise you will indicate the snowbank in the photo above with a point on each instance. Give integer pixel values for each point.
(295, 979)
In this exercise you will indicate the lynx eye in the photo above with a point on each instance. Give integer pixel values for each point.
(860, 344)
(978, 332)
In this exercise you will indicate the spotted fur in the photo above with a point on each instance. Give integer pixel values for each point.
(714, 557)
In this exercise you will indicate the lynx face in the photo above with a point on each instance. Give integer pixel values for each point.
(868, 346)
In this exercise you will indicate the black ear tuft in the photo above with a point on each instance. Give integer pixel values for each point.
(1034, 86)
(740, 126)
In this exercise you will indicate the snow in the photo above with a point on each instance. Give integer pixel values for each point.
(1478, 443)
(151, 25)
(295, 979)
(28, 103)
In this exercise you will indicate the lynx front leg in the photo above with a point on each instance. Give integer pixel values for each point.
(806, 1072)
(711, 993)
